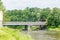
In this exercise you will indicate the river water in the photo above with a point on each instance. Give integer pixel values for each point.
(43, 35)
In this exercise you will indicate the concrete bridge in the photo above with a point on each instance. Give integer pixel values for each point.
(26, 24)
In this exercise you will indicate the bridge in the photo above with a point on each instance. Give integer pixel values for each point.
(26, 24)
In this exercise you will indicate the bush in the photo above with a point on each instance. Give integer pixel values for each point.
(35, 27)
(15, 27)
(51, 27)
(12, 34)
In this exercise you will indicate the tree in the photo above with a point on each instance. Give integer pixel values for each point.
(45, 13)
(53, 18)
(1, 6)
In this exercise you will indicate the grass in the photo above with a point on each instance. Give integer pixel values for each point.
(12, 34)
(53, 28)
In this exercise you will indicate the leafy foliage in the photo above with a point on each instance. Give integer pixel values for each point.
(51, 16)
(1, 6)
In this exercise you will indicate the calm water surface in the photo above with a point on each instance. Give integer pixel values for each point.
(43, 35)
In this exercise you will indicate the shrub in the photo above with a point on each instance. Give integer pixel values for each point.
(35, 27)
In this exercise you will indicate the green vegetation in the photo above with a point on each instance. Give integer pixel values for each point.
(22, 27)
(1, 6)
(12, 34)
(53, 28)
(51, 16)
(34, 27)
(16, 27)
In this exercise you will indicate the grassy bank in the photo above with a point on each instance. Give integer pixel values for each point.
(53, 28)
(12, 34)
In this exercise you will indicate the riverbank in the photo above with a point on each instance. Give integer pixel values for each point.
(54, 29)
(12, 34)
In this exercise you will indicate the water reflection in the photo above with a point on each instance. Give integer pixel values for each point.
(43, 35)
(54, 34)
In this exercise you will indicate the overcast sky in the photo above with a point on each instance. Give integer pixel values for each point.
(21, 4)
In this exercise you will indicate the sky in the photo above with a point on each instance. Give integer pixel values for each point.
(21, 4)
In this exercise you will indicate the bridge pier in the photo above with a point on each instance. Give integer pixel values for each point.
(27, 27)
(42, 27)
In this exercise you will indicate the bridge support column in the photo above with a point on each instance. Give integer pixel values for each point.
(42, 27)
(29, 28)
(26, 27)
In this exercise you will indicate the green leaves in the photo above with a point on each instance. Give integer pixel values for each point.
(1, 6)
(52, 16)
(21, 15)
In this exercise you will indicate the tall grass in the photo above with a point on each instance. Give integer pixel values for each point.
(12, 34)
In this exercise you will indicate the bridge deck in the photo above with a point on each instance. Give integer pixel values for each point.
(24, 23)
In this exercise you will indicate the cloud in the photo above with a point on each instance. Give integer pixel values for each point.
(20, 4)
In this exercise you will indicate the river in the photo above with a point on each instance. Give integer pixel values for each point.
(43, 35)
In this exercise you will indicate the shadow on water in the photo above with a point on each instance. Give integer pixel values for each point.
(43, 35)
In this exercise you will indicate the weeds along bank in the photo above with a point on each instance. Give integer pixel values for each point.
(12, 34)
(53, 28)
